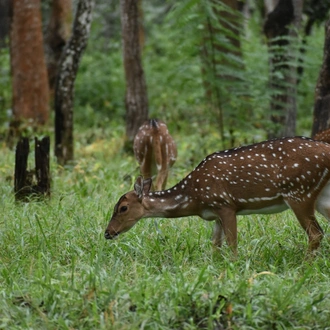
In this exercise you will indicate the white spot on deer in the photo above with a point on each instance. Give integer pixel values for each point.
(307, 159)
(178, 197)
(295, 165)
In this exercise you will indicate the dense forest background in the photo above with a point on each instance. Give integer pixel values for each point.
(231, 101)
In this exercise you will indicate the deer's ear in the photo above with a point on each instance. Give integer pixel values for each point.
(142, 187)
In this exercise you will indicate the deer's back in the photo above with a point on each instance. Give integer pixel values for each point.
(266, 171)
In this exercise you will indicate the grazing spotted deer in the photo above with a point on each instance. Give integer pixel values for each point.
(323, 136)
(263, 178)
(155, 151)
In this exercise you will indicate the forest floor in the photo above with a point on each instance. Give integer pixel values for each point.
(58, 272)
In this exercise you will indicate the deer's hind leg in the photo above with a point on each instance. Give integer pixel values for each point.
(146, 162)
(305, 213)
(226, 227)
(323, 202)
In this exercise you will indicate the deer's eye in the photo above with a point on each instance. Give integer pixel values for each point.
(123, 209)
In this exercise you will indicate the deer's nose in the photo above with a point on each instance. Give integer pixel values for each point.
(107, 235)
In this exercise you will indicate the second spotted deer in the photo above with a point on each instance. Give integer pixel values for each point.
(155, 151)
(267, 177)
(323, 136)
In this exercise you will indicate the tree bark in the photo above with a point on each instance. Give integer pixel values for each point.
(321, 114)
(29, 74)
(42, 148)
(292, 79)
(36, 182)
(5, 14)
(136, 99)
(64, 90)
(58, 32)
(282, 53)
(21, 185)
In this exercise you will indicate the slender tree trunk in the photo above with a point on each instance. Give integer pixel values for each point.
(42, 148)
(22, 186)
(5, 14)
(270, 5)
(141, 27)
(136, 99)
(64, 90)
(283, 74)
(322, 91)
(293, 53)
(29, 73)
(58, 32)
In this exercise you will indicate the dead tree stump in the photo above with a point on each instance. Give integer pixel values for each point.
(36, 182)
(21, 174)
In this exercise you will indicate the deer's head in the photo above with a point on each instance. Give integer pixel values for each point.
(128, 210)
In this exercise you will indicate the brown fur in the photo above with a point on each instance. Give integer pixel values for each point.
(263, 178)
(155, 151)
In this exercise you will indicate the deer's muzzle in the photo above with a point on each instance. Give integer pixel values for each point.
(107, 235)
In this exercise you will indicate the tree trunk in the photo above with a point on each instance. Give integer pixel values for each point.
(36, 182)
(282, 52)
(292, 79)
(322, 91)
(29, 74)
(136, 99)
(58, 32)
(5, 13)
(22, 184)
(42, 148)
(270, 5)
(64, 90)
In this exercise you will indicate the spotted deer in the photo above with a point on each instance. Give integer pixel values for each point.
(155, 151)
(263, 178)
(323, 136)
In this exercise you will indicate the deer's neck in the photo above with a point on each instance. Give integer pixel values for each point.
(170, 203)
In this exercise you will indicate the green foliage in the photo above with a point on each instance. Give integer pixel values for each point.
(100, 85)
(5, 86)
(176, 75)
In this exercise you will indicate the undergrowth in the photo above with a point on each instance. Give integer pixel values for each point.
(58, 271)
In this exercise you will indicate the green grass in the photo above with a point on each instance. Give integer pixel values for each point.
(58, 272)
